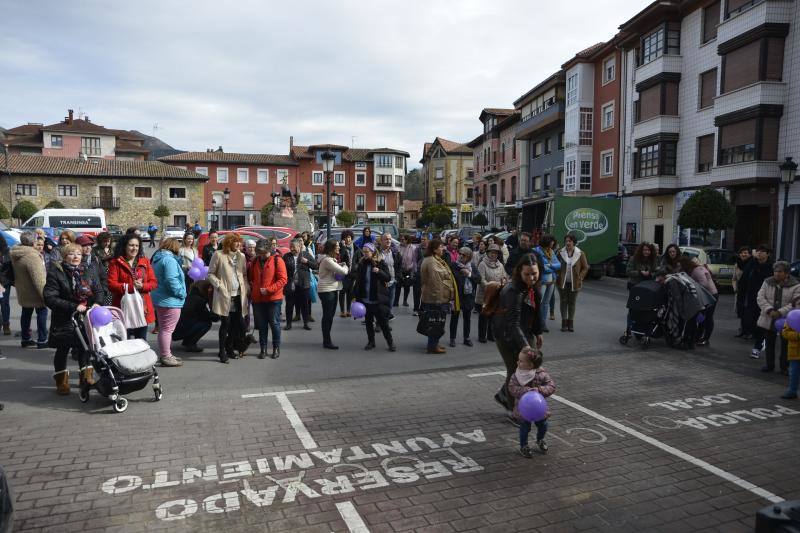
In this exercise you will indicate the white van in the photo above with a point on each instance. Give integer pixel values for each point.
(87, 221)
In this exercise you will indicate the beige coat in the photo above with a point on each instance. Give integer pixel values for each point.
(437, 282)
(768, 299)
(29, 276)
(579, 269)
(221, 273)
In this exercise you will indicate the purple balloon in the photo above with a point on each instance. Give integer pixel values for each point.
(700, 318)
(533, 406)
(358, 310)
(100, 316)
(198, 262)
(779, 324)
(793, 319)
(196, 274)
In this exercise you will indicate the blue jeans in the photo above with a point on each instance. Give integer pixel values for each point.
(794, 376)
(267, 316)
(137, 333)
(433, 342)
(41, 324)
(5, 309)
(392, 289)
(547, 294)
(525, 429)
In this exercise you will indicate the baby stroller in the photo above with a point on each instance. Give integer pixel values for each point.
(647, 303)
(122, 365)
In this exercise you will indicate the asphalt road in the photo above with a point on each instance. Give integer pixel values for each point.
(348, 440)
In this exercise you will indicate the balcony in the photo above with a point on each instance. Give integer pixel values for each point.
(747, 173)
(765, 12)
(105, 202)
(656, 125)
(761, 93)
(653, 185)
(665, 63)
(551, 112)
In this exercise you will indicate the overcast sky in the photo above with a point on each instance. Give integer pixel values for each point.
(248, 74)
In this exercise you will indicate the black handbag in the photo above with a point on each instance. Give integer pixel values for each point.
(432, 322)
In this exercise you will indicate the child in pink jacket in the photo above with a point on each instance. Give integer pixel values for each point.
(530, 377)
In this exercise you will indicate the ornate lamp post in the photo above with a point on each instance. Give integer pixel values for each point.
(17, 196)
(226, 195)
(328, 160)
(788, 175)
(214, 221)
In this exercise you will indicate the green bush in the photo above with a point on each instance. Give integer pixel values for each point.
(24, 210)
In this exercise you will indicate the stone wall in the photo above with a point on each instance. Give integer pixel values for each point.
(132, 211)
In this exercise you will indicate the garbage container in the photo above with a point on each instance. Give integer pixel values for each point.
(6, 504)
(781, 517)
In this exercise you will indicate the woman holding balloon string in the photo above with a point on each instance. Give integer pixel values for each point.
(168, 297)
(531, 378)
(372, 291)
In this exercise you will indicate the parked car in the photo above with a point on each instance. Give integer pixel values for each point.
(246, 235)
(283, 234)
(116, 232)
(143, 235)
(720, 262)
(176, 232)
(336, 234)
(381, 228)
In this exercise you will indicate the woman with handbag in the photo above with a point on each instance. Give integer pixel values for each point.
(371, 289)
(439, 295)
(228, 275)
(168, 297)
(329, 287)
(131, 280)
(490, 270)
(70, 289)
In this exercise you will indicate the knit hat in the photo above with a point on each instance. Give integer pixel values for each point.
(84, 240)
(493, 248)
(369, 246)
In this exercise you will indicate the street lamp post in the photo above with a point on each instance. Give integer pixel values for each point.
(214, 222)
(788, 175)
(226, 195)
(328, 160)
(17, 196)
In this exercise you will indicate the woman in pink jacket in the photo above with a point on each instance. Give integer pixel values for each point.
(530, 376)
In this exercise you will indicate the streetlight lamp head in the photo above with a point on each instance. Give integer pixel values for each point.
(328, 160)
(226, 193)
(17, 195)
(788, 169)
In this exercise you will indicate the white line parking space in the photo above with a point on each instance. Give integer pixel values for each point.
(351, 517)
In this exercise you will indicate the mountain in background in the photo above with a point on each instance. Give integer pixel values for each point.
(157, 147)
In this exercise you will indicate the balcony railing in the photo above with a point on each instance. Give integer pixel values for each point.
(105, 202)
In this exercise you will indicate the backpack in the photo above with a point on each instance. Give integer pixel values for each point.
(491, 299)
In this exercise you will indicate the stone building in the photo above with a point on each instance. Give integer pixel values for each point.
(128, 191)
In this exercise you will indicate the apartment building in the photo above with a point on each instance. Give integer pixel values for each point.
(497, 163)
(73, 138)
(447, 175)
(710, 98)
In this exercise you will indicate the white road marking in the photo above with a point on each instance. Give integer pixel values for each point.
(484, 374)
(736, 480)
(351, 517)
(302, 433)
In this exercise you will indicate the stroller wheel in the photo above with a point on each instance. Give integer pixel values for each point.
(121, 405)
(623, 340)
(83, 395)
(157, 392)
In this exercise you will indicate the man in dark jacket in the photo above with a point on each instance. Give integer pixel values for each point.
(299, 265)
(518, 252)
(196, 317)
(757, 269)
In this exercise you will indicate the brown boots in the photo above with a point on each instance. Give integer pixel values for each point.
(569, 325)
(62, 382)
(566, 325)
(563, 325)
(87, 377)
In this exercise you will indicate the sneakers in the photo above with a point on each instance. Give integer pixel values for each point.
(415, 313)
(263, 353)
(438, 349)
(276, 352)
(755, 353)
(542, 445)
(525, 452)
(28, 344)
(370, 345)
(171, 361)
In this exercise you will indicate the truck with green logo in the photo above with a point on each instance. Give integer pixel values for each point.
(594, 221)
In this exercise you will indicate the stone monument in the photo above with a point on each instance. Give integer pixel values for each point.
(290, 213)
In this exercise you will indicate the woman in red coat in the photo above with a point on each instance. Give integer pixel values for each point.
(129, 270)
(267, 275)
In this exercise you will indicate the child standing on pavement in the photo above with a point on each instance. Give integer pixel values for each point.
(793, 356)
(530, 377)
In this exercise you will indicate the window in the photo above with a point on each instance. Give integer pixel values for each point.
(247, 200)
(493, 193)
(384, 161)
(536, 148)
(609, 69)
(749, 140)
(56, 141)
(572, 89)
(179, 220)
(654, 45)
(660, 99)
(68, 190)
(439, 196)
(222, 175)
(262, 176)
(513, 189)
(317, 201)
(569, 167)
(657, 159)
(316, 178)
(608, 116)
(705, 153)
(502, 153)
(361, 165)
(399, 161)
(469, 193)
(502, 191)
(760, 60)
(338, 201)
(560, 176)
(383, 180)
(485, 196)
(177, 192)
(283, 176)
(561, 141)
(398, 181)
(585, 133)
(217, 200)
(338, 178)
(242, 175)
(439, 173)
(648, 161)
(361, 201)
(607, 163)
(26, 189)
(734, 7)
(586, 175)
(548, 145)
(142, 192)
(380, 202)
(536, 184)
(708, 88)
(710, 21)
(361, 179)
(90, 145)
(202, 170)
(546, 181)
(513, 149)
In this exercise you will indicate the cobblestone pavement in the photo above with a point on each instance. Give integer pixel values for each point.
(639, 441)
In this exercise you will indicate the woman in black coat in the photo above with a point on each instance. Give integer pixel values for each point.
(70, 289)
(371, 289)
